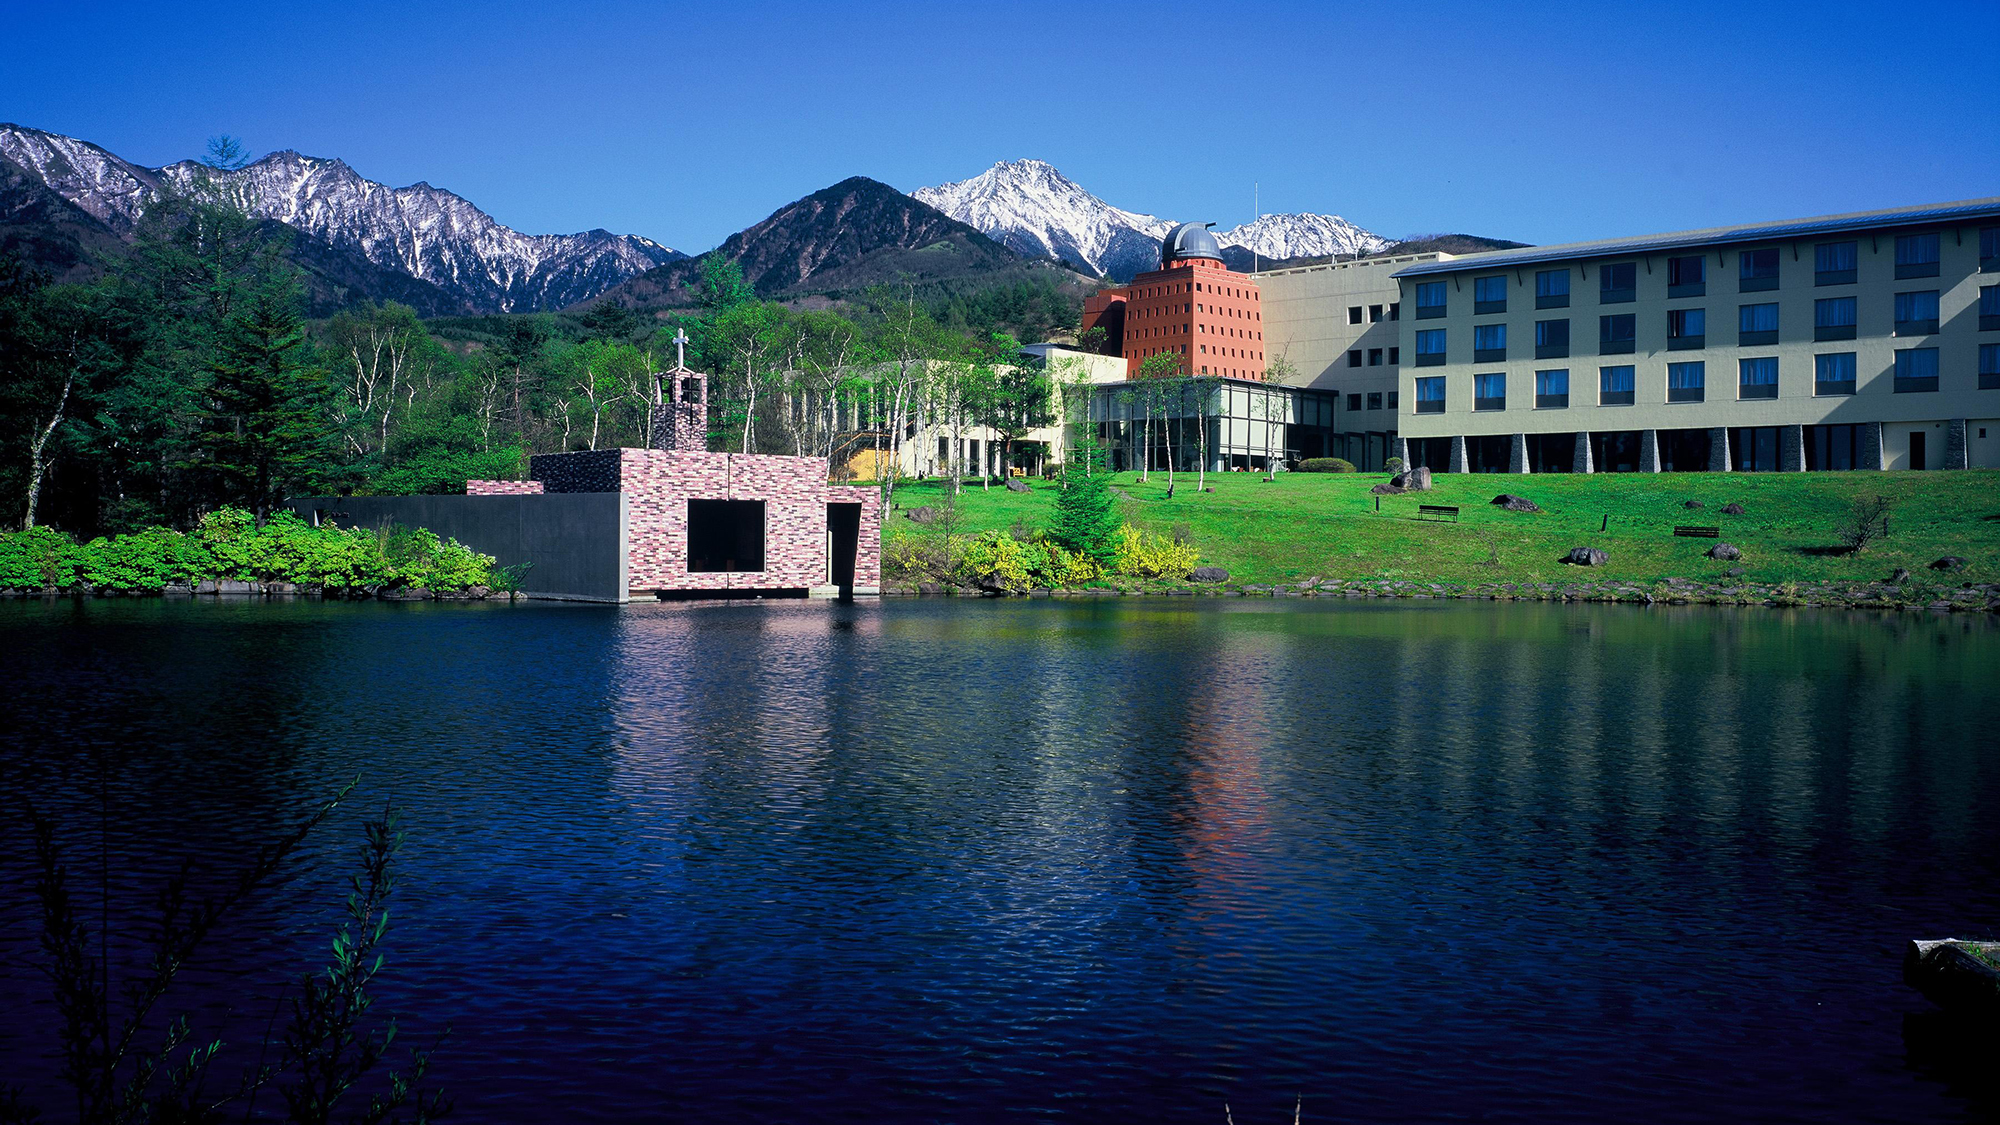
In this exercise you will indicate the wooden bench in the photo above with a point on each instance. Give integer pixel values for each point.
(1697, 532)
(1436, 512)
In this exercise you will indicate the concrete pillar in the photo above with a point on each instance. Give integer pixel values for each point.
(1649, 451)
(1583, 463)
(1954, 444)
(1517, 454)
(1458, 461)
(1399, 448)
(1791, 449)
(1869, 438)
(1718, 450)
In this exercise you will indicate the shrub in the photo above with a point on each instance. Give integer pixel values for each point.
(1393, 465)
(37, 558)
(1326, 465)
(1867, 521)
(1152, 556)
(1086, 515)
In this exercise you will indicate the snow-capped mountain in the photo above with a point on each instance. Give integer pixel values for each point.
(419, 231)
(1030, 208)
(1276, 237)
(1034, 209)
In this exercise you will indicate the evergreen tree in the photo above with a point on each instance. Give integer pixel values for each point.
(1086, 516)
(264, 428)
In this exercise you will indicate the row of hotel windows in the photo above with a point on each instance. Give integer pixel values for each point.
(1834, 318)
(1376, 313)
(1834, 263)
(1916, 371)
(1196, 287)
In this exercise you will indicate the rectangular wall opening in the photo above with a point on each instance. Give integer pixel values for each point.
(843, 541)
(725, 536)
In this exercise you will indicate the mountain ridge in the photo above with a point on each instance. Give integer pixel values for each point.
(422, 232)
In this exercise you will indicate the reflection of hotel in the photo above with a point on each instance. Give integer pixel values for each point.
(1856, 341)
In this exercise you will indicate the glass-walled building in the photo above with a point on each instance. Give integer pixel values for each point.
(1223, 423)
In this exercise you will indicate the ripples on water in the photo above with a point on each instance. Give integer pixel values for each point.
(935, 861)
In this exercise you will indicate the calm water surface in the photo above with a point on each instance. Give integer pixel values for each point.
(941, 861)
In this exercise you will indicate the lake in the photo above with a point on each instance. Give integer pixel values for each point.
(936, 860)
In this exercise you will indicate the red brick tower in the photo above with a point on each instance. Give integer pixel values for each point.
(1194, 308)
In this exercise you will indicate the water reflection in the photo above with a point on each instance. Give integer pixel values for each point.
(937, 861)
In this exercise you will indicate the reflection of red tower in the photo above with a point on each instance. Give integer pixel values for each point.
(1194, 308)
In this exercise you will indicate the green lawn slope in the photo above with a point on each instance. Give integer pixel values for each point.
(1313, 525)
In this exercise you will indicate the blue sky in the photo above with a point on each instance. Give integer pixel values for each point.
(685, 123)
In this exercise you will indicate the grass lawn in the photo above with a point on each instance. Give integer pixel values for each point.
(1326, 525)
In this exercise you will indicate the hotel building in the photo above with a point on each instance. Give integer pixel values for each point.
(1860, 341)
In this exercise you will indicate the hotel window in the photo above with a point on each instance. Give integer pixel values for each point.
(1551, 339)
(1617, 283)
(1686, 329)
(1916, 370)
(1917, 313)
(1374, 400)
(1430, 299)
(1989, 249)
(1551, 389)
(1616, 334)
(1757, 378)
(1354, 402)
(1395, 356)
(1833, 374)
(1614, 386)
(1757, 270)
(1374, 357)
(1395, 310)
(1686, 382)
(1552, 289)
(1430, 348)
(1354, 314)
(1989, 367)
(1757, 324)
(1374, 314)
(1489, 392)
(1392, 399)
(1354, 358)
(1989, 307)
(1430, 394)
(1916, 255)
(1489, 342)
(1687, 277)
(1833, 318)
(1489, 295)
(1833, 262)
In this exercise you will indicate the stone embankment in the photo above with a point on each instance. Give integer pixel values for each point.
(233, 588)
(1969, 597)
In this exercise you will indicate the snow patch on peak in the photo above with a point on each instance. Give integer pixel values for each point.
(1302, 236)
(1036, 210)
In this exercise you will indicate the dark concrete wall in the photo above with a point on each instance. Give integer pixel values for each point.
(573, 541)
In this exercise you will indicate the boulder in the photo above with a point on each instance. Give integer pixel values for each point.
(1586, 556)
(1692, 504)
(1390, 489)
(1413, 480)
(1949, 562)
(1208, 574)
(1725, 552)
(1515, 503)
(932, 588)
(923, 515)
(1732, 509)
(1958, 976)
(207, 586)
(1734, 572)
(1899, 575)
(1014, 485)
(234, 586)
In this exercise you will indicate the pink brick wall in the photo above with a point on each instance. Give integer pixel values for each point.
(503, 488)
(658, 484)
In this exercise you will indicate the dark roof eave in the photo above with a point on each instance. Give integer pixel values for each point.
(1963, 211)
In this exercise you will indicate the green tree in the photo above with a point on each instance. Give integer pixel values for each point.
(1016, 396)
(264, 431)
(1086, 513)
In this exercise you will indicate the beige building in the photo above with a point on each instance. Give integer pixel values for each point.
(1337, 328)
(1859, 341)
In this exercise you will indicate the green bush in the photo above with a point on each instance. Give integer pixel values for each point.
(1326, 465)
(228, 544)
(1154, 556)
